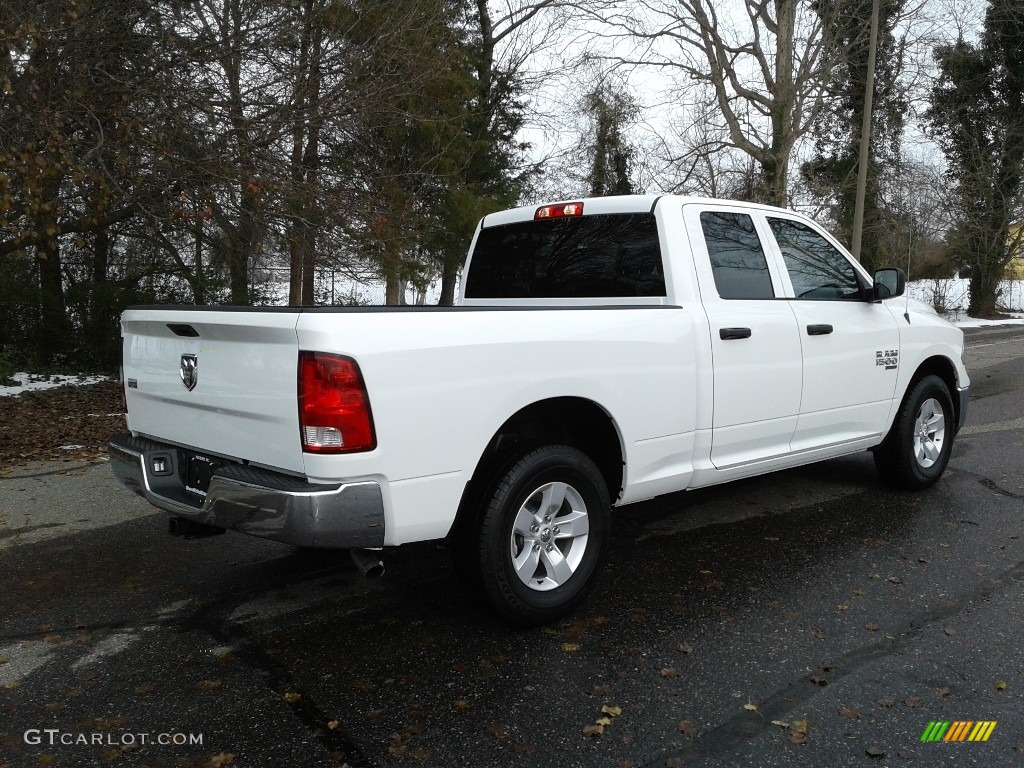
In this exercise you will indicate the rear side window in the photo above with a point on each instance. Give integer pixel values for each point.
(737, 258)
(607, 255)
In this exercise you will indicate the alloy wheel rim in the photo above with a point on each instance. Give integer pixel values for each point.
(549, 536)
(929, 433)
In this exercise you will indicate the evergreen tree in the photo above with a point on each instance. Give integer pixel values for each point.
(610, 110)
(977, 109)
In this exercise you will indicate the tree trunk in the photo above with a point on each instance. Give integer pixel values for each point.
(392, 290)
(311, 172)
(99, 300)
(776, 163)
(449, 277)
(199, 281)
(984, 284)
(54, 327)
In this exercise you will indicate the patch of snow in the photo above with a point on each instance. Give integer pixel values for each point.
(951, 296)
(28, 382)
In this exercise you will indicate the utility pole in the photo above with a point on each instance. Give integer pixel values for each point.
(865, 136)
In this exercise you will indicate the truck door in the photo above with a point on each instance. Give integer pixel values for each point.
(754, 340)
(851, 346)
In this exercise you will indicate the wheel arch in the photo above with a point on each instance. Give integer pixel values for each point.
(943, 367)
(574, 421)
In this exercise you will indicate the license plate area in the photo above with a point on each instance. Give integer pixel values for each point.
(198, 470)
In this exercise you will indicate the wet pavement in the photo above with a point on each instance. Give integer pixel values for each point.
(807, 618)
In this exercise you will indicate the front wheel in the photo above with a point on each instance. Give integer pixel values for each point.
(916, 451)
(542, 535)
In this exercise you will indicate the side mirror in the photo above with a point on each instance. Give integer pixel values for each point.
(889, 283)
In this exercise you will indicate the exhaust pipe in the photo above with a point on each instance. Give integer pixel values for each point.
(368, 562)
(190, 529)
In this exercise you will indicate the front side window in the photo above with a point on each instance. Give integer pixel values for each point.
(737, 259)
(816, 268)
(597, 256)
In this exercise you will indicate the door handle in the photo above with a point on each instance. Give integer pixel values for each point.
(733, 333)
(819, 330)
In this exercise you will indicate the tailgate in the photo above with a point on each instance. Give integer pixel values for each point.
(221, 382)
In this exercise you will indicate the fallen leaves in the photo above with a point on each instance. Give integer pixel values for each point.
(602, 723)
(498, 731)
(292, 697)
(687, 728)
(850, 713)
(1000, 685)
(31, 433)
(222, 760)
(797, 732)
(108, 723)
(399, 746)
(871, 627)
(209, 686)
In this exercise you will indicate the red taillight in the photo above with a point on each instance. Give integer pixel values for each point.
(334, 409)
(559, 211)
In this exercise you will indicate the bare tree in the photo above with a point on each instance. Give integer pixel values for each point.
(766, 67)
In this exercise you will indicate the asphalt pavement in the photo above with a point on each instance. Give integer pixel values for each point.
(807, 618)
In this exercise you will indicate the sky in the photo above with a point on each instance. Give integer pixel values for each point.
(557, 130)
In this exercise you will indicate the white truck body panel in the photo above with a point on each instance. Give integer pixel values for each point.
(690, 408)
(442, 382)
(244, 406)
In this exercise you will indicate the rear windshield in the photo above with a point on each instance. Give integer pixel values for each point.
(612, 255)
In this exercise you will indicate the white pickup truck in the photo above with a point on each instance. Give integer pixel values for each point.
(601, 352)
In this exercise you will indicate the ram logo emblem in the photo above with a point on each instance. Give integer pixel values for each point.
(189, 371)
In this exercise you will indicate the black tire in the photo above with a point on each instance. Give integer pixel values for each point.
(916, 450)
(539, 596)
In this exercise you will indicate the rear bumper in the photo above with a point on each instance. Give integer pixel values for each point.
(258, 502)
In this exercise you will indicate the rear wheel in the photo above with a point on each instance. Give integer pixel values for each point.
(917, 449)
(541, 538)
